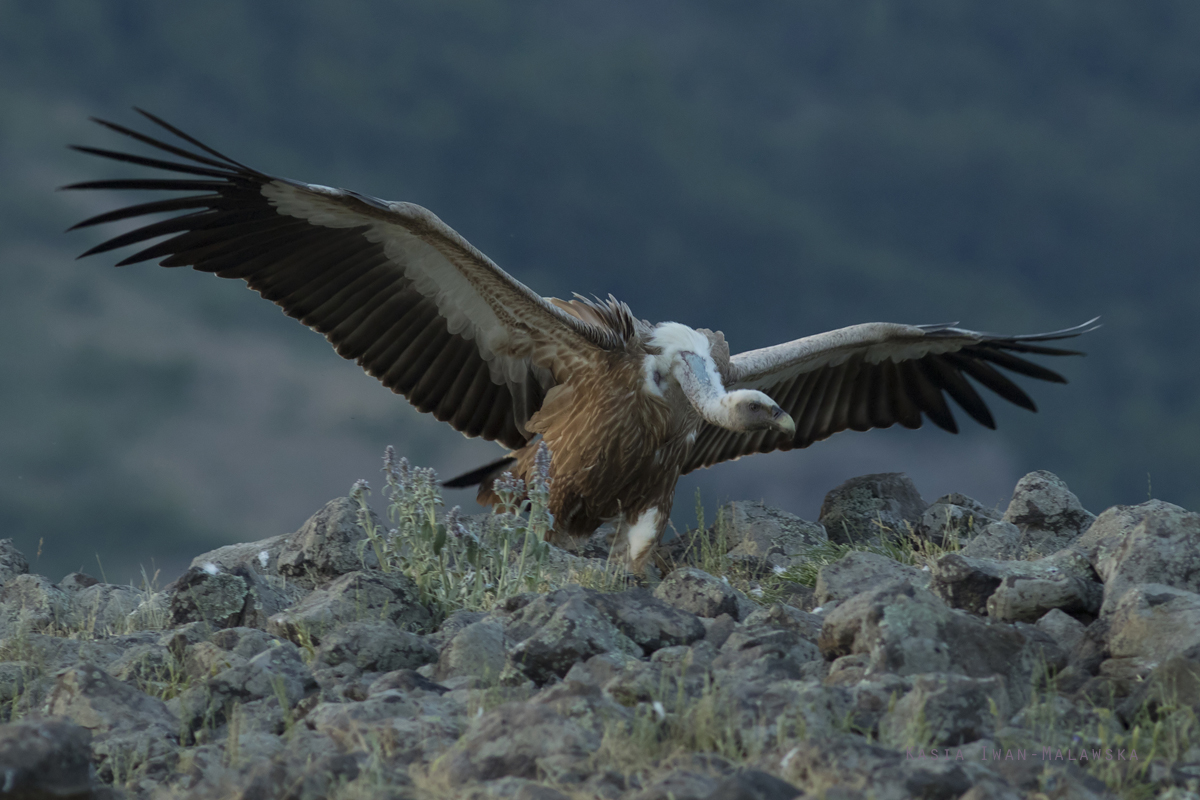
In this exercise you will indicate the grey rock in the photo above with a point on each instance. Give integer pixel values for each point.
(1064, 580)
(244, 642)
(1155, 622)
(593, 709)
(520, 740)
(879, 772)
(36, 603)
(948, 709)
(698, 593)
(417, 725)
(648, 620)
(763, 708)
(12, 562)
(966, 582)
(144, 665)
(45, 758)
(405, 680)
(277, 676)
(212, 596)
(954, 517)
(1175, 683)
(575, 632)
(873, 698)
(354, 597)
(774, 536)
(997, 540)
(1155, 542)
(680, 784)
(1065, 629)
(1048, 514)
(375, 646)
(77, 581)
(132, 732)
(204, 660)
(479, 650)
(753, 784)
(103, 608)
(908, 631)
(261, 556)
(872, 508)
(328, 545)
(763, 652)
(779, 615)
(859, 572)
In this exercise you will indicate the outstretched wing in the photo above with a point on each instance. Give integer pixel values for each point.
(875, 375)
(390, 285)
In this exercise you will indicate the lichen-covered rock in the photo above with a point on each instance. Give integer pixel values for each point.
(858, 572)
(212, 596)
(699, 593)
(103, 608)
(1175, 683)
(45, 758)
(1065, 629)
(354, 597)
(872, 508)
(1154, 621)
(132, 732)
(965, 582)
(955, 517)
(908, 631)
(375, 646)
(948, 709)
(12, 562)
(774, 536)
(521, 740)
(648, 620)
(1029, 589)
(328, 545)
(574, 632)
(277, 675)
(760, 652)
(753, 784)
(34, 602)
(1048, 514)
(996, 540)
(479, 650)
(1155, 542)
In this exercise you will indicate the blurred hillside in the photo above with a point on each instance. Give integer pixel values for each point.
(771, 170)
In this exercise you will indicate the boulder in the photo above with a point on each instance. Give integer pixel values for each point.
(872, 508)
(1047, 513)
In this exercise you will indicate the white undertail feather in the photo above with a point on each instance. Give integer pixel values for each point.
(642, 532)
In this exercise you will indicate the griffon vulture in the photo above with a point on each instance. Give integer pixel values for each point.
(625, 406)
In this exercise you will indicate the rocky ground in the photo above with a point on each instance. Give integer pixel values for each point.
(893, 649)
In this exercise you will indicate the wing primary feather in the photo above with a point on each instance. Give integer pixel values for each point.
(155, 207)
(195, 142)
(989, 377)
(947, 377)
(143, 161)
(928, 396)
(165, 147)
(905, 407)
(1018, 365)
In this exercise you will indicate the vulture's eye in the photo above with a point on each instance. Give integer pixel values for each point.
(755, 406)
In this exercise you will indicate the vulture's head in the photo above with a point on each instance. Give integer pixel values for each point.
(748, 410)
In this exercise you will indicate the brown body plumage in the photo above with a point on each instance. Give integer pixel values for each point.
(625, 406)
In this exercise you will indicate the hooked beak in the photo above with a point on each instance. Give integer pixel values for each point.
(784, 422)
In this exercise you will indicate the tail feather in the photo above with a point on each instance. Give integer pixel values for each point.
(480, 474)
